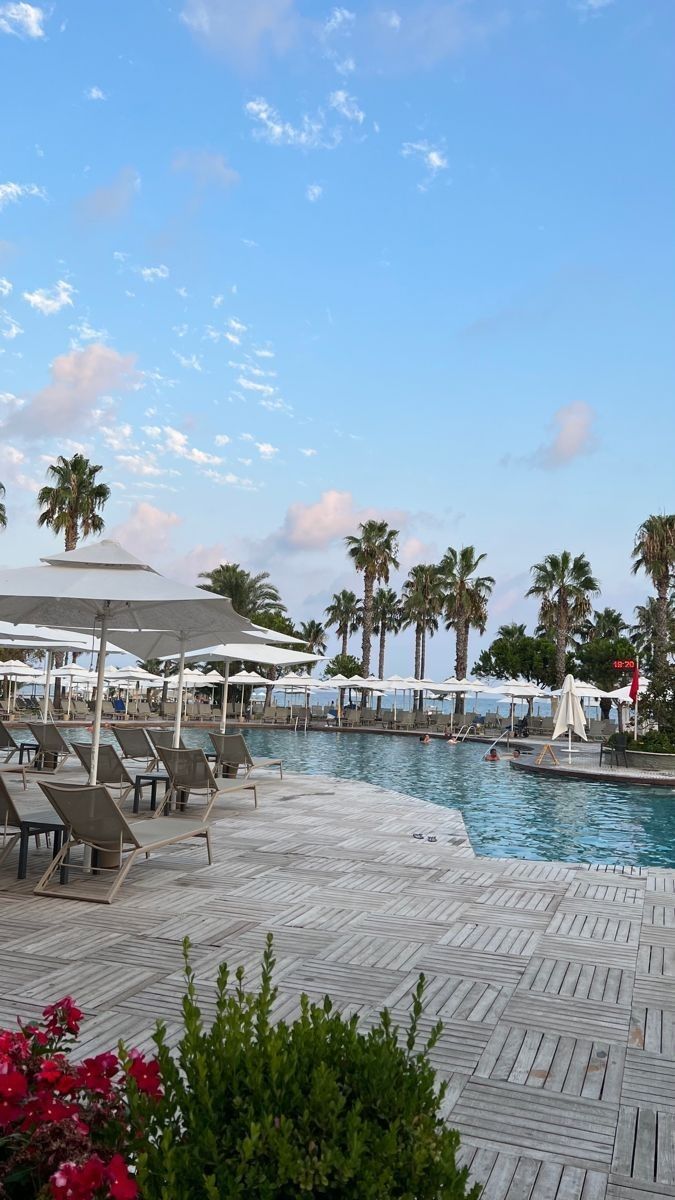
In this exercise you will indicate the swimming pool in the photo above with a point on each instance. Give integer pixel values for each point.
(507, 813)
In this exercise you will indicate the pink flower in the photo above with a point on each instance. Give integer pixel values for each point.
(63, 1017)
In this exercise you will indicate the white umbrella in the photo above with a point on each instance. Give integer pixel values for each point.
(570, 716)
(101, 585)
(269, 656)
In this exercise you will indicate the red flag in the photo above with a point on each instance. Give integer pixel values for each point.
(634, 684)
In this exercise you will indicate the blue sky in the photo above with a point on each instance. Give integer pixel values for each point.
(280, 266)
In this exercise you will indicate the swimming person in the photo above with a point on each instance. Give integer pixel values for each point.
(491, 756)
(426, 740)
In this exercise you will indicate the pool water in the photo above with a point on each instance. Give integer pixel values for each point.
(507, 813)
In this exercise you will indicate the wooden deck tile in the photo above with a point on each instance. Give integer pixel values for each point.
(555, 982)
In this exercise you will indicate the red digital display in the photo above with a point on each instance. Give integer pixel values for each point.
(624, 664)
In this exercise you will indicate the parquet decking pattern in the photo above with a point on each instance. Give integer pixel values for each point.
(555, 983)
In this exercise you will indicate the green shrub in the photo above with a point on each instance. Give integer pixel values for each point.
(656, 742)
(314, 1108)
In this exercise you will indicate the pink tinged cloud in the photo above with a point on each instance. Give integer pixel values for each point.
(315, 526)
(147, 531)
(572, 436)
(80, 379)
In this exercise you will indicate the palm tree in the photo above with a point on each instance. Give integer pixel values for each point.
(643, 631)
(423, 601)
(606, 623)
(374, 554)
(251, 595)
(313, 634)
(344, 612)
(73, 504)
(3, 510)
(564, 587)
(654, 553)
(466, 601)
(512, 632)
(386, 619)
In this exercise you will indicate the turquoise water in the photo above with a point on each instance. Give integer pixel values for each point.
(506, 812)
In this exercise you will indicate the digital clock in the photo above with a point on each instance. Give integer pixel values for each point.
(624, 664)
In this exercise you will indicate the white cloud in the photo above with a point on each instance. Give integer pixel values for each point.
(392, 20)
(118, 437)
(222, 439)
(22, 20)
(246, 437)
(572, 436)
(263, 353)
(276, 405)
(190, 362)
(232, 480)
(140, 464)
(266, 450)
(338, 20)
(313, 193)
(236, 325)
(49, 301)
(593, 6)
(309, 453)
(432, 156)
(182, 292)
(10, 193)
(9, 328)
(180, 330)
(311, 134)
(249, 385)
(152, 274)
(84, 332)
(5, 287)
(346, 106)
(95, 93)
(177, 443)
(217, 301)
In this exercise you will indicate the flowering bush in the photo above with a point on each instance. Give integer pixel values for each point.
(64, 1126)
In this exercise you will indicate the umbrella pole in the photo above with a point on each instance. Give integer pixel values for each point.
(179, 705)
(45, 702)
(223, 719)
(635, 726)
(100, 685)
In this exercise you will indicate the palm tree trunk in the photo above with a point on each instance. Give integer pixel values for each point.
(423, 666)
(661, 629)
(345, 639)
(71, 535)
(560, 649)
(368, 584)
(461, 656)
(380, 665)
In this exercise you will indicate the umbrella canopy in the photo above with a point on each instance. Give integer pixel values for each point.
(101, 585)
(622, 695)
(268, 656)
(249, 679)
(570, 716)
(586, 691)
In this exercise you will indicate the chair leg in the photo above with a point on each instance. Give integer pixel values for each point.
(208, 846)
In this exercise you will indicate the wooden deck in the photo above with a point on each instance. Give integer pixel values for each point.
(555, 983)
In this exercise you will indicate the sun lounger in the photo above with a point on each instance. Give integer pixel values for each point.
(95, 821)
(134, 743)
(16, 826)
(110, 770)
(190, 774)
(9, 743)
(232, 751)
(53, 749)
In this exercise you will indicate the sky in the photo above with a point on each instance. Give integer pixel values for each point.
(280, 266)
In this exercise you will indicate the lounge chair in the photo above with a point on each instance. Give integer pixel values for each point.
(232, 751)
(110, 770)
(135, 743)
(163, 739)
(190, 774)
(95, 821)
(16, 826)
(9, 743)
(53, 749)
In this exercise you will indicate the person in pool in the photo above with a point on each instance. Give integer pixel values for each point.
(491, 756)
(426, 740)
(450, 738)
